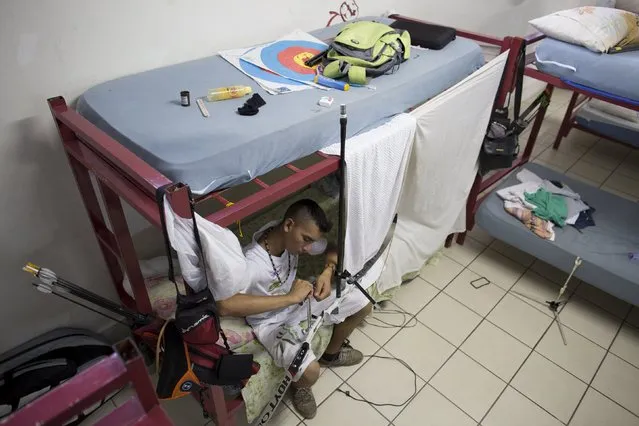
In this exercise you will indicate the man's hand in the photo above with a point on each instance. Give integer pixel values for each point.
(323, 285)
(300, 291)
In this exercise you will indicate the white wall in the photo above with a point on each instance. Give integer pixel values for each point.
(50, 48)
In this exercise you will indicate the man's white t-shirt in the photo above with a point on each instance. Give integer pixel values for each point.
(262, 278)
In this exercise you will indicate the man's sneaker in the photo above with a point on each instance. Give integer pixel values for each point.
(304, 402)
(345, 357)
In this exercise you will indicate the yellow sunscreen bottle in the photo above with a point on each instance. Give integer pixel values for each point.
(223, 93)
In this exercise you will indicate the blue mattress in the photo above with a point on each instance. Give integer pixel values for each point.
(613, 74)
(609, 125)
(143, 113)
(604, 248)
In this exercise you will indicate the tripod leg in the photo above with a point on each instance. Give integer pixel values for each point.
(561, 327)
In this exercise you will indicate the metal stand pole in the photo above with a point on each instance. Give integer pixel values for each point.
(555, 305)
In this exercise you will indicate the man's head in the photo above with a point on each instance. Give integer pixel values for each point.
(304, 223)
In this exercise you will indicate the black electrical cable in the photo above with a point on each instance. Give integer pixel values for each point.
(388, 404)
(404, 324)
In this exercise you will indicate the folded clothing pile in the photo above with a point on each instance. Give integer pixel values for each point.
(541, 204)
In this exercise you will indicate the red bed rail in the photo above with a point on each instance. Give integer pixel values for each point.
(120, 174)
(125, 366)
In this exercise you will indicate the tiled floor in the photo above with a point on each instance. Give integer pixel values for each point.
(487, 356)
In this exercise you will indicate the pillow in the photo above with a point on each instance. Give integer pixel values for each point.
(629, 5)
(596, 28)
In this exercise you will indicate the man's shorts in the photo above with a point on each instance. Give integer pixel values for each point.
(283, 340)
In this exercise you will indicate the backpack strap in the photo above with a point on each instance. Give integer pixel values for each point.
(159, 195)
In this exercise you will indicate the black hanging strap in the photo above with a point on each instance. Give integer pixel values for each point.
(160, 193)
(159, 197)
(198, 241)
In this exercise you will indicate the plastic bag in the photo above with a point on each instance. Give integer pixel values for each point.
(224, 258)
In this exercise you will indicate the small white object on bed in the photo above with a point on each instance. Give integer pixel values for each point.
(596, 28)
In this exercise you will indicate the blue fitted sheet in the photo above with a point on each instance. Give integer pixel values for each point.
(604, 248)
(613, 74)
(143, 113)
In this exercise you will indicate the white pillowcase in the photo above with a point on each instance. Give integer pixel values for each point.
(615, 110)
(596, 28)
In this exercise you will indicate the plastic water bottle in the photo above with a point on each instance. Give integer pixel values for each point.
(230, 92)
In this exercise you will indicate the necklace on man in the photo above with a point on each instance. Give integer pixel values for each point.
(268, 250)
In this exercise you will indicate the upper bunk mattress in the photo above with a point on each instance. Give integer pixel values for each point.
(143, 113)
(603, 248)
(614, 74)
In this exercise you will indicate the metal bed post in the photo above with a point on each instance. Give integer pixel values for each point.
(113, 246)
(565, 123)
(479, 185)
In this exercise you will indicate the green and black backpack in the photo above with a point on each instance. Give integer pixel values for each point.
(365, 49)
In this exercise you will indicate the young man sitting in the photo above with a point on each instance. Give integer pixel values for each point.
(275, 301)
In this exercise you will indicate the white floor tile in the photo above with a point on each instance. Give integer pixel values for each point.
(496, 350)
(449, 318)
(590, 321)
(553, 274)
(466, 253)
(414, 295)
(497, 268)
(604, 300)
(592, 172)
(383, 334)
(339, 409)
(619, 381)
(421, 348)
(361, 342)
(514, 409)
(550, 166)
(629, 167)
(534, 289)
(580, 356)
(520, 320)
(480, 235)
(558, 159)
(624, 184)
(513, 253)
(468, 385)
(626, 345)
(386, 381)
(611, 149)
(482, 299)
(430, 408)
(552, 388)
(603, 161)
(597, 410)
(583, 179)
(441, 272)
(575, 145)
(326, 384)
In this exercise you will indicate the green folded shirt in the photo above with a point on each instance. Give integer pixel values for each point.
(549, 206)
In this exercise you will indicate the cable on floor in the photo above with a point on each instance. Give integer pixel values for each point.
(388, 404)
(386, 324)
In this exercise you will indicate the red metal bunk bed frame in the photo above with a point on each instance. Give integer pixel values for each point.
(122, 175)
(481, 185)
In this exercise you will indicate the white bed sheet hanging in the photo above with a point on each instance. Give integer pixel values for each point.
(441, 171)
